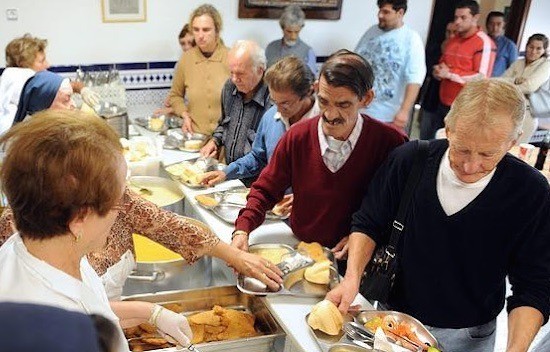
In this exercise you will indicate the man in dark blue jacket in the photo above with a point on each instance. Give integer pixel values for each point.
(477, 215)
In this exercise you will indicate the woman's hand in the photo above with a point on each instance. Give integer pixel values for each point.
(519, 80)
(212, 178)
(252, 265)
(187, 126)
(172, 326)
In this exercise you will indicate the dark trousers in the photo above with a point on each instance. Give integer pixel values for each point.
(432, 121)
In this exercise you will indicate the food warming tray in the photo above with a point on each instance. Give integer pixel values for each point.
(229, 297)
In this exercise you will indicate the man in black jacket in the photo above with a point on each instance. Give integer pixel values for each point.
(477, 215)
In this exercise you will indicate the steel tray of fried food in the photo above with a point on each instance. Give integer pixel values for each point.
(194, 301)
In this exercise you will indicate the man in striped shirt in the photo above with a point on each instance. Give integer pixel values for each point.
(468, 56)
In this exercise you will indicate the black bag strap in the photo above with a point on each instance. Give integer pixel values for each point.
(412, 181)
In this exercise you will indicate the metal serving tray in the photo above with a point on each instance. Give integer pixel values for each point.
(417, 327)
(194, 301)
(210, 165)
(228, 206)
(295, 284)
(326, 341)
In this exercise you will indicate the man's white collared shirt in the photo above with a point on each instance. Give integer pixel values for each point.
(335, 153)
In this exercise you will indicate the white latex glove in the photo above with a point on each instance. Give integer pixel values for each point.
(172, 326)
(90, 97)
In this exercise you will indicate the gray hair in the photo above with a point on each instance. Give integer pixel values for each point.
(292, 16)
(481, 101)
(256, 52)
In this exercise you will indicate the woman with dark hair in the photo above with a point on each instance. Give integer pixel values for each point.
(528, 75)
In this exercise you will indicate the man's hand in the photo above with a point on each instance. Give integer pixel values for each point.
(341, 249)
(209, 150)
(240, 241)
(401, 119)
(343, 294)
(187, 126)
(212, 178)
(252, 265)
(284, 207)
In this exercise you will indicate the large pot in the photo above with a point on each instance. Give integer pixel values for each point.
(166, 275)
(159, 187)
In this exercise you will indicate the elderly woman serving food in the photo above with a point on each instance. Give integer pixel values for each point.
(64, 176)
(180, 234)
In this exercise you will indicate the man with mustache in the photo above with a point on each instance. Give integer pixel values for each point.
(327, 160)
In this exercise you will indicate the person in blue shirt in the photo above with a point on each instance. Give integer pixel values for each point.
(507, 51)
(291, 86)
(396, 53)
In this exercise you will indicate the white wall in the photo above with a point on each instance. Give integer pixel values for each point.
(77, 36)
(537, 21)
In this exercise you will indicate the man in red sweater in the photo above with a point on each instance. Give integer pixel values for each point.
(327, 160)
(468, 56)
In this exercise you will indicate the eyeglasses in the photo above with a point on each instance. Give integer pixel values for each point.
(285, 104)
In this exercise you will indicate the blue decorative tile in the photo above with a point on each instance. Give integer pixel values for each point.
(63, 69)
(162, 64)
(97, 67)
(131, 66)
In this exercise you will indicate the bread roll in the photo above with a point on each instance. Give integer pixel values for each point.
(318, 273)
(314, 250)
(326, 317)
(206, 200)
(193, 144)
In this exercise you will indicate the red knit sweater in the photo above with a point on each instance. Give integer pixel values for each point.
(323, 201)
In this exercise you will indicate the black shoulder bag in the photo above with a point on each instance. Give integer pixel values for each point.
(379, 275)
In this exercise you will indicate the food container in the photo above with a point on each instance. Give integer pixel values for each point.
(294, 283)
(188, 172)
(167, 275)
(229, 297)
(348, 347)
(185, 141)
(230, 202)
(417, 327)
(326, 341)
(115, 116)
(162, 191)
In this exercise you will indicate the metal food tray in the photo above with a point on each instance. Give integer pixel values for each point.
(326, 341)
(229, 211)
(194, 301)
(296, 285)
(417, 327)
(216, 166)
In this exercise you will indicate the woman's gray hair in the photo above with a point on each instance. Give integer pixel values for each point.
(292, 16)
(256, 52)
(484, 102)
